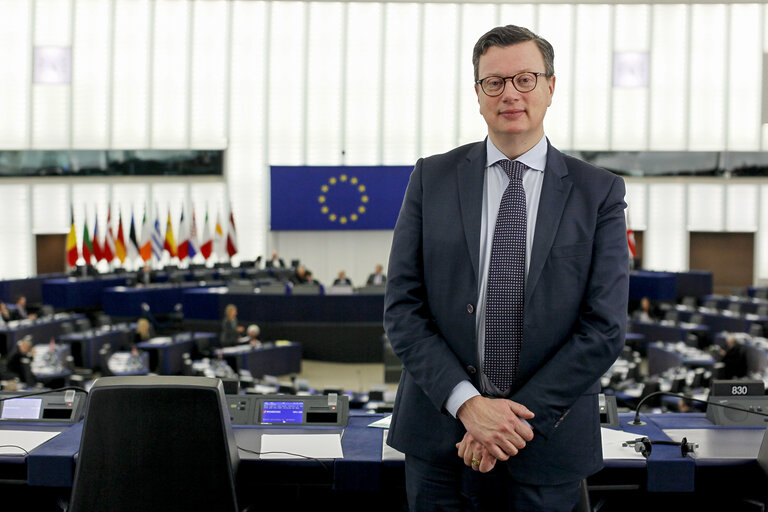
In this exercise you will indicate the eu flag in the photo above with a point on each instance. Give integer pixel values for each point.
(336, 198)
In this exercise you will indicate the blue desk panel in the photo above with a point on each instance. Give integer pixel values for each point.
(654, 285)
(41, 329)
(209, 304)
(79, 292)
(30, 287)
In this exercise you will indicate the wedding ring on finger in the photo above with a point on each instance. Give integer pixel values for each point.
(475, 463)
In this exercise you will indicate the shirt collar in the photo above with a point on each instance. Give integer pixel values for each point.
(535, 158)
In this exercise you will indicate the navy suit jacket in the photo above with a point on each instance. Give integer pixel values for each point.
(575, 309)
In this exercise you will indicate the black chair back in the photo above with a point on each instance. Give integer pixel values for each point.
(156, 444)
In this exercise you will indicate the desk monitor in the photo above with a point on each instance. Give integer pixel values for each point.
(289, 410)
(59, 407)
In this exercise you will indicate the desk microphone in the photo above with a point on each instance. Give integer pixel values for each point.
(637, 421)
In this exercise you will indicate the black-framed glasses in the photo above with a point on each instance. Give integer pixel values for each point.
(523, 82)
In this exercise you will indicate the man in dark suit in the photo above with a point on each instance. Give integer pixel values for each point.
(378, 277)
(470, 445)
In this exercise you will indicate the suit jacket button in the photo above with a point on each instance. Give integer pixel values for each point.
(470, 308)
(471, 370)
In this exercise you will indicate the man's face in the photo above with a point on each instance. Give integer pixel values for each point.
(514, 113)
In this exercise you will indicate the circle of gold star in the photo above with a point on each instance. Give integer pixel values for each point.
(327, 189)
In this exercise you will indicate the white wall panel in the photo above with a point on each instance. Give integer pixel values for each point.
(556, 24)
(475, 21)
(287, 81)
(50, 208)
(209, 74)
(665, 243)
(170, 74)
(592, 77)
(744, 78)
(669, 78)
(522, 15)
(439, 78)
(629, 114)
(324, 83)
(400, 83)
(637, 200)
(91, 74)
(761, 239)
(709, 77)
(14, 204)
(363, 84)
(741, 208)
(130, 68)
(51, 102)
(706, 207)
(15, 55)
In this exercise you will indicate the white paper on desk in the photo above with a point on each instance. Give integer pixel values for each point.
(382, 423)
(389, 453)
(612, 445)
(294, 446)
(27, 439)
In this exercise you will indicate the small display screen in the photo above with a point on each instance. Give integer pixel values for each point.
(22, 409)
(282, 412)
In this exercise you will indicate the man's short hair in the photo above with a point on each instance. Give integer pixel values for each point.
(508, 36)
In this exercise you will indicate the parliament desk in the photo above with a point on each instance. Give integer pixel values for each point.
(80, 292)
(661, 358)
(724, 321)
(267, 359)
(87, 344)
(166, 355)
(30, 287)
(41, 329)
(342, 328)
(125, 302)
(669, 286)
(654, 331)
(725, 463)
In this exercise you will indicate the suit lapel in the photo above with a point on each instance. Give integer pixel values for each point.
(554, 194)
(471, 174)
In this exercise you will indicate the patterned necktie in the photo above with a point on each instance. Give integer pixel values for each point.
(506, 282)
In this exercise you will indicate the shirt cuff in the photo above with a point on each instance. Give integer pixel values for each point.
(462, 392)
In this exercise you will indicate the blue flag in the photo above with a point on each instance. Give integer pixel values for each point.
(337, 198)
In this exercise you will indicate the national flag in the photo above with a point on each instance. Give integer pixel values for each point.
(169, 244)
(98, 252)
(183, 248)
(336, 198)
(630, 238)
(194, 245)
(133, 243)
(72, 240)
(109, 239)
(157, 239)
(207, 246)
(231, 235)
(145, 250)
(87, 249)
(120, 240)
(219, 242)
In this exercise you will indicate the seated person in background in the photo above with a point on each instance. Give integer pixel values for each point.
(230, 331)
(310, 278)
(377, 277)
(734, 358)
(143, 331)
(20, 313)
(5, 315)
(342, 279)
(274, 261)
(300, 276)
(252, 336)
(23, 349)
(144, 275)
(646, 312)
